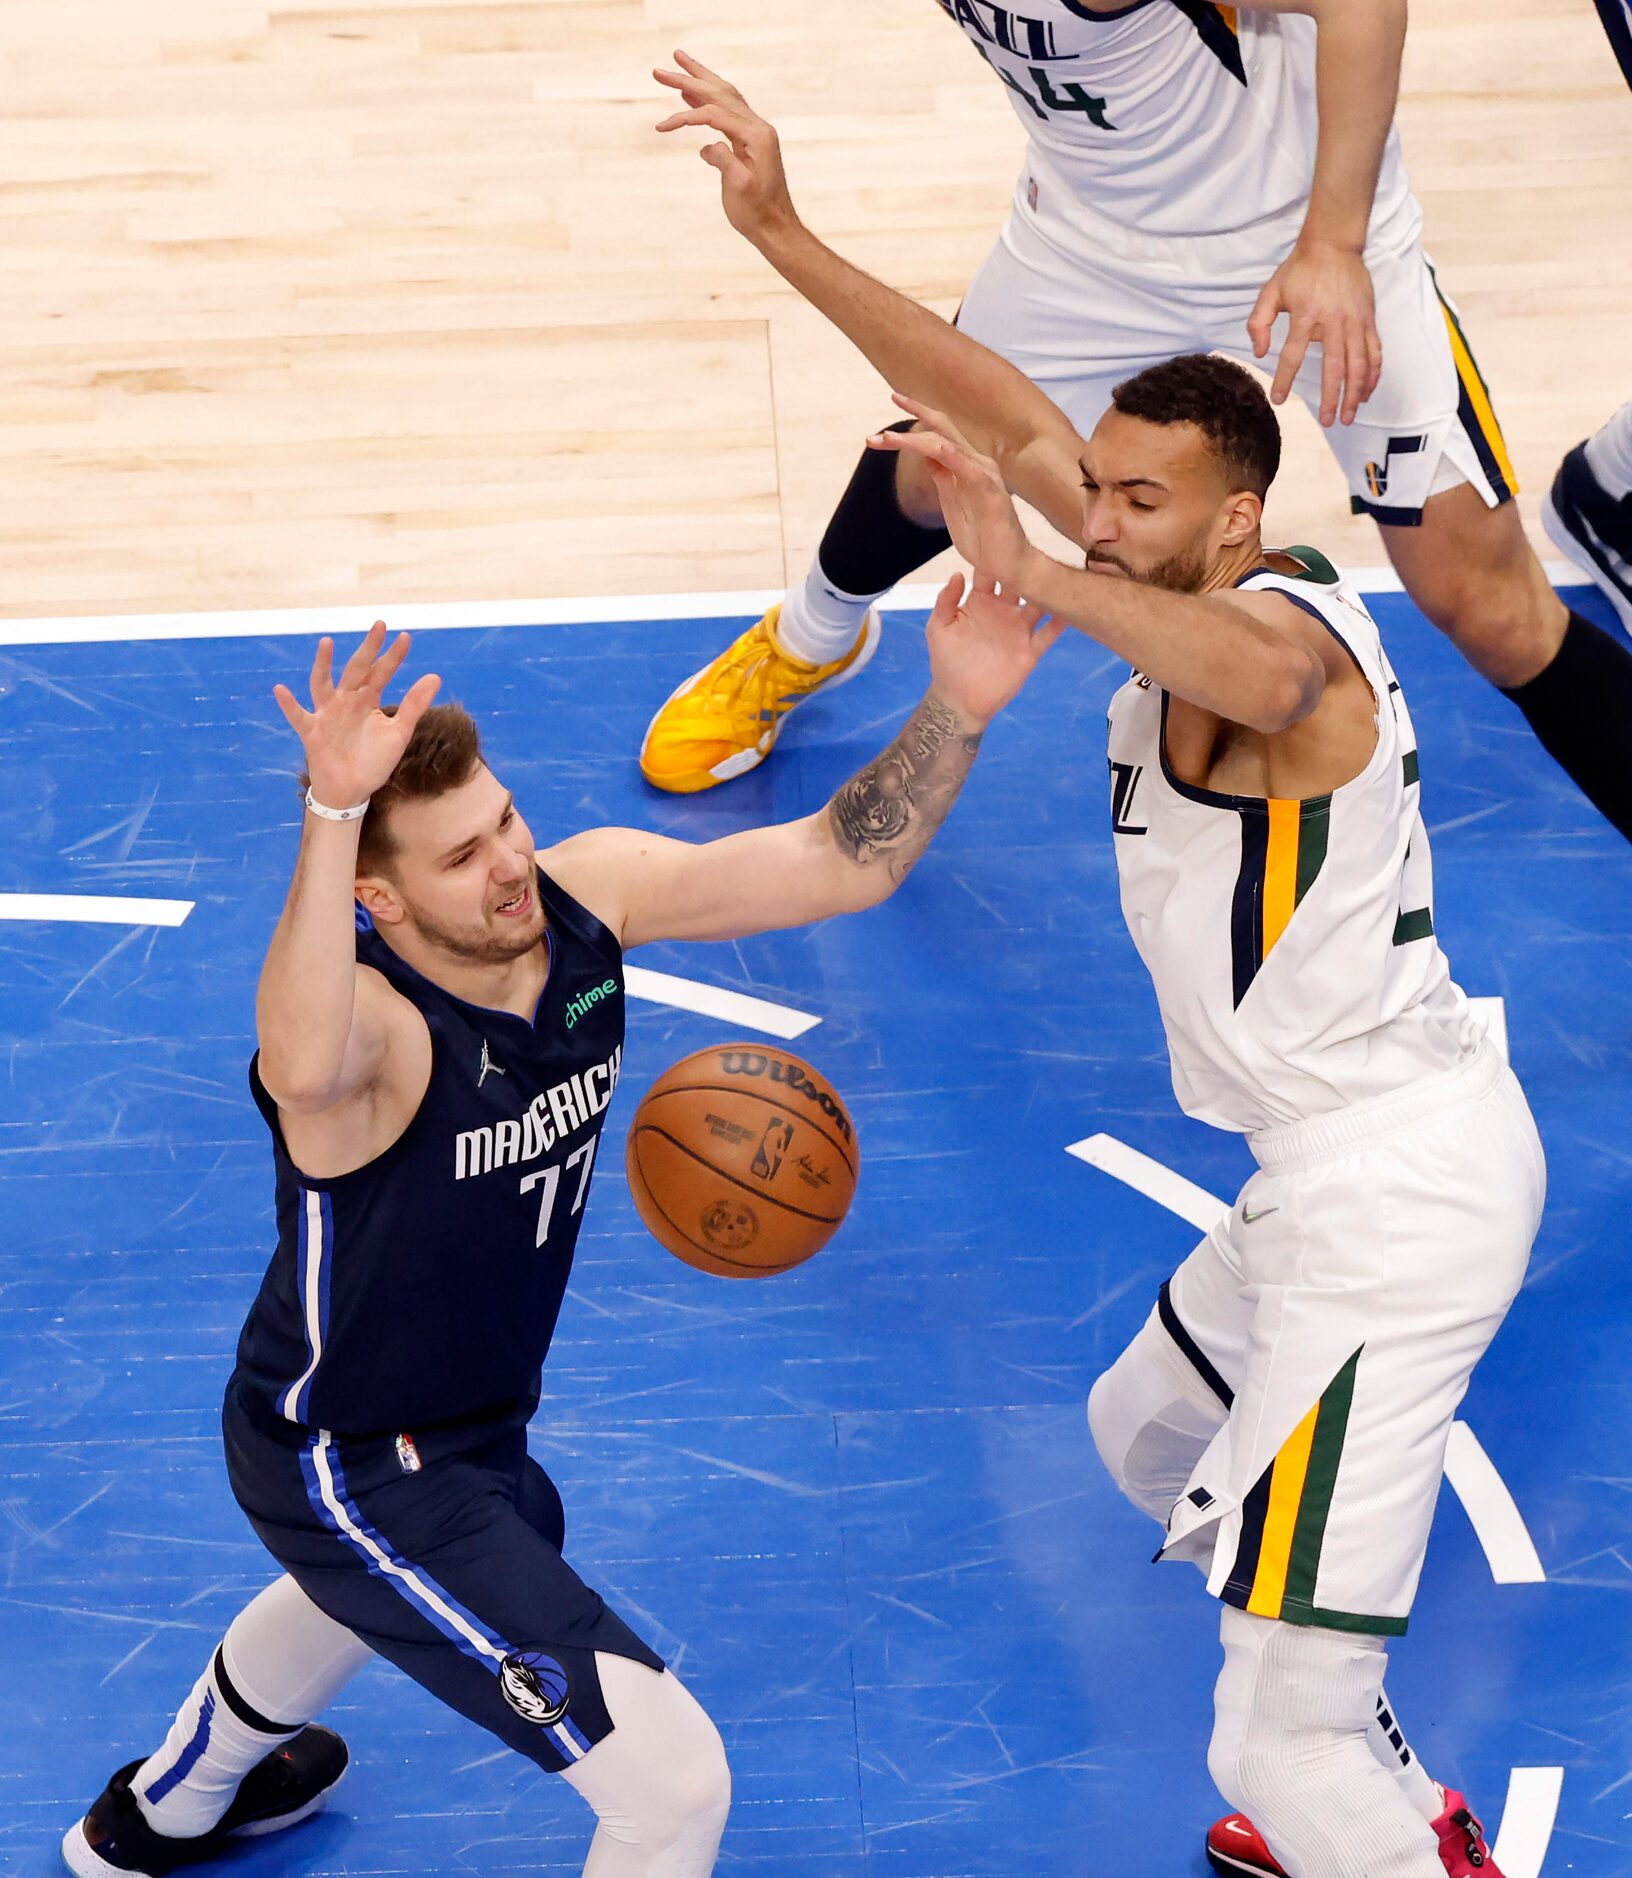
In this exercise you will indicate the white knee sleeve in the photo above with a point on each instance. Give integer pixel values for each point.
(286, 1657)
(658, 1783)
(1289, 1749)
(1152, 1417)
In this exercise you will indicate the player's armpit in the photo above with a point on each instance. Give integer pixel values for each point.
(386, 1039)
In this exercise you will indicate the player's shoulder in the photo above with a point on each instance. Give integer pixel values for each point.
(596, 867)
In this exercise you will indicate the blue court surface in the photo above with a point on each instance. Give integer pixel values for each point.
(857, 1505)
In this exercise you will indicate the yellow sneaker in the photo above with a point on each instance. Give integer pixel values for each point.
(724, 719)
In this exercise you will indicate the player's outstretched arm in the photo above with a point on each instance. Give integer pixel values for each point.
(323, 1024)
(913, 349)
(858, 849)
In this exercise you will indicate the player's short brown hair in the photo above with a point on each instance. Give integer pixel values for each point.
(444, 751)
(1225, 403)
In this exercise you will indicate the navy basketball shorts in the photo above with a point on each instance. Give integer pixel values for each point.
(442, 1552)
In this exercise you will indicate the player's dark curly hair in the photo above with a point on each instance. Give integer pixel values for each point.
(1225, 403)
(444, 751)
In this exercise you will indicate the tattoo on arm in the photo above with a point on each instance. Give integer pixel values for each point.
(890, 810)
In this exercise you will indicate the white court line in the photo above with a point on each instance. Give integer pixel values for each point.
(1153, 1179)
(731, 1007)
(1494, 1012)
(98, 909)
(1527, 1820)
(684, 994)
(1497, 1523)
(437, 616)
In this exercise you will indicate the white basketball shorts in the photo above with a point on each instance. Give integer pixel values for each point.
(1337, 1314)
(1079, 304)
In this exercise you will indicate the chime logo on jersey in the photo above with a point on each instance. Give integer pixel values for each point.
(535, 1686)
(551, 1116)
(578, 1005)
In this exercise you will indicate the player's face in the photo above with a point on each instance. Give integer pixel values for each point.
(1153, 496)
(463, 872)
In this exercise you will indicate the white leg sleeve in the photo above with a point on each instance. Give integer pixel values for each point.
(658, 1783)
(286, 1658)
(280, 1662)
(1289, 1749)
(1152, 1417)
(1393, 1751)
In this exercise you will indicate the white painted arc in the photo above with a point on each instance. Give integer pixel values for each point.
(99, 909)
(1527, 1820)
(1497, 1522)
(1152, 1178)
(441, 615)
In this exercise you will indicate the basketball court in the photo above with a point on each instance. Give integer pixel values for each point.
(857, 1504)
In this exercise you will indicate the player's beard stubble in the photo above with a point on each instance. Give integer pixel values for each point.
(478, 945)
(1182, 572)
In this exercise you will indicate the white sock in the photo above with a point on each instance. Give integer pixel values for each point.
(1393, 1751)
(820, 622)
(1289, 1749)
(658, 1783)
(1609, 452)
(280, 1662)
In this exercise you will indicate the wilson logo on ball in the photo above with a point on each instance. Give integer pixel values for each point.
(790, 1075)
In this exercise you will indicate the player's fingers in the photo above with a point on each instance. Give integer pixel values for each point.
(416, 702)
(1286, 371)
(1374, 359)
(388, 664)
(291, 707)
(1045, 629)
(1333, 357)
(709, 117)
(985, 583)
(697, 69)
(323, 671)
(1261, 321)
(1356, 370)
(356, 668)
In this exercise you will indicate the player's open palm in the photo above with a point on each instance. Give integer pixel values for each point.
(984, 644)
(1326, 293)
(351, 745)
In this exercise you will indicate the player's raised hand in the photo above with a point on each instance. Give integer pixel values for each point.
(351, 745)
(984, 644)
(753, 188)
(1325, 291)
(975, 501)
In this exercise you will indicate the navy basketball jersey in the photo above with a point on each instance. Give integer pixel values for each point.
(423, 1289)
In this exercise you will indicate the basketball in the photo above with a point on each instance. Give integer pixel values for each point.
(742, 1160)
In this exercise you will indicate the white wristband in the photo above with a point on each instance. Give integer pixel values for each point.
(336, 815)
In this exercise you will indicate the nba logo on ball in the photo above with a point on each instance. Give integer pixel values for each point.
(535, 1686)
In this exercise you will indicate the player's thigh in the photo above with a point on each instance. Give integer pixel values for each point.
(1430, 425)
(1205, 1313)
(440, 1572)
(1378, 1282)
(1074, 326)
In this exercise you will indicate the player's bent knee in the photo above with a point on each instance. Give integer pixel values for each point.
(1151, 1420)
(660, 1780)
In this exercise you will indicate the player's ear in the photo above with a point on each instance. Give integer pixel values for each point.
(1243, 516)
(379, 899)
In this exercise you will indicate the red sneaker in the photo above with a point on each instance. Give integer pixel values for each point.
(1462, 1848)
(1236, 1845)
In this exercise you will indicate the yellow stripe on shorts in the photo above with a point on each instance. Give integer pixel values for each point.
(1478, 397)
(1281, 1521)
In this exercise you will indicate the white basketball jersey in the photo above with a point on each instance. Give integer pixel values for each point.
(1291, 943)
(1172, 117)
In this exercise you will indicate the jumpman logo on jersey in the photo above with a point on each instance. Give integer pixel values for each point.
(498, 1069)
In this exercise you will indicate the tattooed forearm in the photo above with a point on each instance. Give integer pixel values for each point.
(890, 810)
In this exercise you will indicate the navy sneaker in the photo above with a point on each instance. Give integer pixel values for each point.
(287, 1787)
(1593, 528)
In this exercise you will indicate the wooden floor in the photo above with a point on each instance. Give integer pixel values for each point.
(383, 301)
